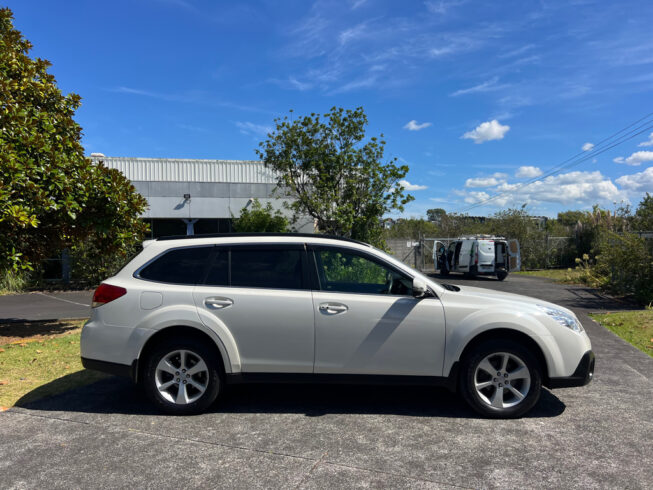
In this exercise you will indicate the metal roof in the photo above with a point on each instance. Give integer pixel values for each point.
(187, 170)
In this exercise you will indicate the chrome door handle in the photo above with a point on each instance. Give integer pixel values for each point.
(218, 302)
(333, 307)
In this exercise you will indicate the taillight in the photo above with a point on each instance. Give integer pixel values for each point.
(105, 293)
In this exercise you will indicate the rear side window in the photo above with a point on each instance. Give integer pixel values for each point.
(261, 268)
(178, 266)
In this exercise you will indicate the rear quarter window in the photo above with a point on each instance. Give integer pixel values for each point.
(178, 266)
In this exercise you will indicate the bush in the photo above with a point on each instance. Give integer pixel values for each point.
(624, 265)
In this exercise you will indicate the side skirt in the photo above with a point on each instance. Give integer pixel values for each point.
(450, 382)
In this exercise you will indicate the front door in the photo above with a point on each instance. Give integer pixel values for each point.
(262, 296)
(368, 322)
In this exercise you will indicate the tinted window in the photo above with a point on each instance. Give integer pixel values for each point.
(180, 266)
(341, 270)
(266, 268)
(218, 274)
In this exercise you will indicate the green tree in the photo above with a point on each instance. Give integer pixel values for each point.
(435, 215)
(260, 219)
(644, 214)
(331, 175)
(51, 196)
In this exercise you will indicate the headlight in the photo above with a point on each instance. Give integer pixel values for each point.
(562, 317)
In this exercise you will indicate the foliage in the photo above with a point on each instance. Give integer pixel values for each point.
(635, 327)
(624, 265)
(89, 266)
(351, 269)
(13, 281)
(412, 228)
(51, 196)
(333, 176)
(435, 215)
(260, 219)
(643, 220)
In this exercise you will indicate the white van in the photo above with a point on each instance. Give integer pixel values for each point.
(478, 255)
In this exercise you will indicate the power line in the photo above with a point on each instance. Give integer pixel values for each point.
(601, 147)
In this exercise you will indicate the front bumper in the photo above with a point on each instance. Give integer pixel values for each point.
(582, 375)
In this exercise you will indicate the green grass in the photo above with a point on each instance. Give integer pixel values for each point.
(567, 276)
(43, 364)
(635, 327)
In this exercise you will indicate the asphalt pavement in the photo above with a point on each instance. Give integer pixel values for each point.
(56, 305)
(284, 436)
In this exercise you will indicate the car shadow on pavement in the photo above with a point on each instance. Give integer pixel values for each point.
(11, 328)
(115, 395)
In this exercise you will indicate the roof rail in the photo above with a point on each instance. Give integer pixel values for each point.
(265, 234)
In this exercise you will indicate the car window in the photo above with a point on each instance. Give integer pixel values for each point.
(350, 272)
(260, 268)
(218, 273)
(178, 266)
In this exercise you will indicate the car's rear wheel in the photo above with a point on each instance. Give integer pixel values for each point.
(182, 376)
(501, 379)
(501, 275)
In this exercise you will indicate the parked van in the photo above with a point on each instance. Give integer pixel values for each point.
(478, 255)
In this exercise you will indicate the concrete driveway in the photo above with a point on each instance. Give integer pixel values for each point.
(104, 435)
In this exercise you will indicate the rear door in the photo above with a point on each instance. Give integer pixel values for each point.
(367, 320)
(465, 255)
(262, 296)
(514, 255)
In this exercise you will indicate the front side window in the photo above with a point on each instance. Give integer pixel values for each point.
(178, 266)
(261, 268)
(345, 271)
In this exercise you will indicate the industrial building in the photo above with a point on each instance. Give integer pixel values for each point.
(187, 197)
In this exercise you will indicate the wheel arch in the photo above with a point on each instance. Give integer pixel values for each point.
(185, 331)
(509, 334)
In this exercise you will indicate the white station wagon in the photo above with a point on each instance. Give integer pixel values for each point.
(189, 315)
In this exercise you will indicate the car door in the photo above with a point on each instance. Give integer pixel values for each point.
(262, 296)
(465, 255)
(368, 322)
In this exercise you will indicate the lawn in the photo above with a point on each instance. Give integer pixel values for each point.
(39, 359)
(634, 326)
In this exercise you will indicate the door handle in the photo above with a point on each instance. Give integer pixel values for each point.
(333, 308)
(218, 302)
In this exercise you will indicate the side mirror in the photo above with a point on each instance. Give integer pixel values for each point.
(419, 288)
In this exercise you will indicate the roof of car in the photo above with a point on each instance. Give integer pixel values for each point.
(261, 235)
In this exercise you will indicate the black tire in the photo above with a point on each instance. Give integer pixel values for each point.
(444, 272)
(495, 350)
(473, 271)
(211, 378)
(501, 275)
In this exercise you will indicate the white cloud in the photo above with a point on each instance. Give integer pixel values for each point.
(636, 158)
(487, 131)
(482, 182)
(411, 187)
(588, 146)
(649, 142)
(528, 171)
(251, 128)
(415, 126)
(574, 188)
(641, 181)
(487, 86)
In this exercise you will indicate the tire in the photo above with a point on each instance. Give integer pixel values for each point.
(501, 275)
(494, 398)
(164, 373)
(473, 271)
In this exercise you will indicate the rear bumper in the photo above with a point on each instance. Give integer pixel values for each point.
(582, 375)
(114, 368)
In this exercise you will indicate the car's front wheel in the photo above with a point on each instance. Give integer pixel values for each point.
(181, 376)
(501, 379)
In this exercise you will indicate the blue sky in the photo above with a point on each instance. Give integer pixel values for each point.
(476, 97)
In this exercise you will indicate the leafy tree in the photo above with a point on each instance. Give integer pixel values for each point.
(260, 219)
(644, 214)
(435, 215)
(51, 196)
(333, 176)
(412, 228)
